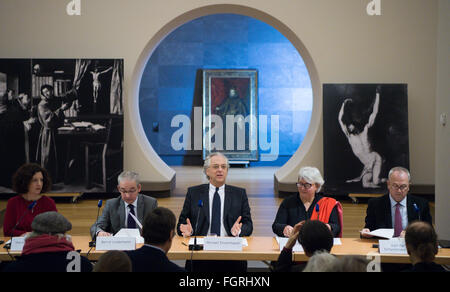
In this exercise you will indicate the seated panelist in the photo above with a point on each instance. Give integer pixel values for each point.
(116, 214)
(396, 209)
(29, 181)
(296, 209)
(216, 209)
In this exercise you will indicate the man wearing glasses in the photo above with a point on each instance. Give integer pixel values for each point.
(123, 211)
(216, 209)
(396, 209)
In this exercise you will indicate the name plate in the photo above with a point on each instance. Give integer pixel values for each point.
(393, 246)
(17, 243)
(223, 243)
(115, 243)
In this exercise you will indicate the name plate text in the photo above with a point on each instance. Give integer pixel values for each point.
(17, 243)
(393, 246)
(223, 243)
(115, 243)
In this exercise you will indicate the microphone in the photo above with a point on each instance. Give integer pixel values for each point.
(317, 211)
(416, 208)
(29, 208)
(196, 246)
(92, 243)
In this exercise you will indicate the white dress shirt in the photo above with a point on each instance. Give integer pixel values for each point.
(403, 212)
(212, 190)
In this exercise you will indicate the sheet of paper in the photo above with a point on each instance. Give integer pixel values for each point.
(337, 241)
(82, 124)
(383, 233)
(282, 242)
(297, 247)
(130, 232)
(97, 127)
(200, 241)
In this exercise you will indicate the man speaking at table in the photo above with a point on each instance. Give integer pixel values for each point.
(119, 212)
(216, 209)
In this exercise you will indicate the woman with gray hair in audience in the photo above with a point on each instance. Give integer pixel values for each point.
(48, 249)
(321, 261)
(308, 204)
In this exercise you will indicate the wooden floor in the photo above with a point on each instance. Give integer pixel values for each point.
(257, 181)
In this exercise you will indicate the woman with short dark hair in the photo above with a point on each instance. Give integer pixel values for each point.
(29, 182)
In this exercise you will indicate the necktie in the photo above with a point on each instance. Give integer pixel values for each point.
(131, 223)
(398, 228)
(215, 217)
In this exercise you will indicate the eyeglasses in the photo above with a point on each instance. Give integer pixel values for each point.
(123, 191)
(217, 166)
(304, 185)
(400, 188)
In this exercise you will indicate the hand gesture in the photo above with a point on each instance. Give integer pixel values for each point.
(294, 234)
(236, 229)
(102, 233)
(186, 229)
(287, 231)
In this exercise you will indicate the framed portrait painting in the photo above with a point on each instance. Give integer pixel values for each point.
(230, 114)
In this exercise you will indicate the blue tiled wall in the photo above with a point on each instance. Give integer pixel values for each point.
(171, 82)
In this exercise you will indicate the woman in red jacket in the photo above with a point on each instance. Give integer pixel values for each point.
(30, 181)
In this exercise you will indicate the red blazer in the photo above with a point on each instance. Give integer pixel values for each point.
(18, 207)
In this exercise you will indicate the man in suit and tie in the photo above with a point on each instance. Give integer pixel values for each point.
(119, 212)
(396, 209)
(222, 210)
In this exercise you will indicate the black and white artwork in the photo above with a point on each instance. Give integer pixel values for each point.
(365, 135)
(67, 116)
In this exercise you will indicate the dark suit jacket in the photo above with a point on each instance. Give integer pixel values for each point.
(46, 262)
(113, 216)
(379, 212)
(149, 259)
(426, 267)
(235, 205)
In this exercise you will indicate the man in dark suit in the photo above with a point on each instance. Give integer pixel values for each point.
(222, 210)
(396, 209)
(123, 211)
(158, 232)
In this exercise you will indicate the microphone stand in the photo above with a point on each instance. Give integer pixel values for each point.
(195, 246)
(93, 242)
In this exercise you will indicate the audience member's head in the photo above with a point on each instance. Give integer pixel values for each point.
(159, 228)
(49, 223)
(351, 263)
(315, 236)
(321, 261)
(112, 262)
(421, 242)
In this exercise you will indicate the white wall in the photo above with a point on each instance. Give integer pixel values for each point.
(345, 45)
(443, 132)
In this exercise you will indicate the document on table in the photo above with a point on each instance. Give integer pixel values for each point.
(201, 241)
(383, 233)
(298, 247)
(130, 232)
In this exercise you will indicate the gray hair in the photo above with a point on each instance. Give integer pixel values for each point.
(321, 261)
(207, 162)
(311, 175)
(349, 263)
(399, 169)
(129, 176)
